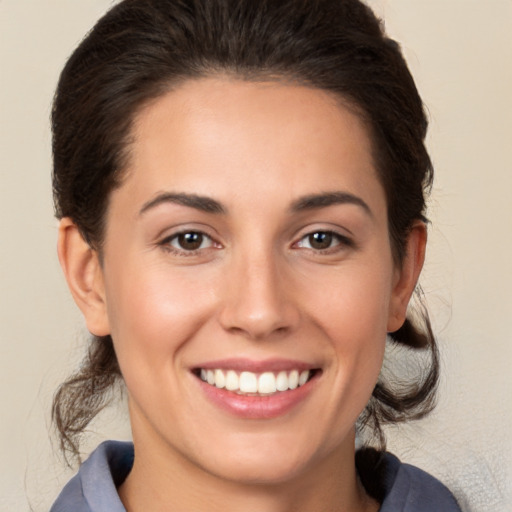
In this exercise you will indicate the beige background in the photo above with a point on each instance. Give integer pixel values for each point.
(461, 54)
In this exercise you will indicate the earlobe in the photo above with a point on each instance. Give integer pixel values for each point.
(407, 275)
(82, 270)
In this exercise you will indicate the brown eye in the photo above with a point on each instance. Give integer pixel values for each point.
(189, 241)
(320, 240)
(323, 241)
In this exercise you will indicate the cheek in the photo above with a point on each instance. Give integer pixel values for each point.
(155, 311)
(354, 303)
(359, 338)
(354, 315)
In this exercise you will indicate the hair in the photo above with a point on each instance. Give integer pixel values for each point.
(141, 49)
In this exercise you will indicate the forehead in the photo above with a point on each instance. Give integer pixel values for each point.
(225, 136)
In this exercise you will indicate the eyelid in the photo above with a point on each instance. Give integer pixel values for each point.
(343, 240)
(165, 242)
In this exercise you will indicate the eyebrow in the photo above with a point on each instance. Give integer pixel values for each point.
(323, 200)
(209, 205)
(205, 204)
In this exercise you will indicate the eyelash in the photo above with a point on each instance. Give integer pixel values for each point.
(166, 243)
(341, 241)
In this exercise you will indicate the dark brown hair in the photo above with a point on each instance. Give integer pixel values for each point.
(143, 48)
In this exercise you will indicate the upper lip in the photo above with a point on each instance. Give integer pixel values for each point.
(250, 365)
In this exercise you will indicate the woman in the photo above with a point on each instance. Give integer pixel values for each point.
(241, 187)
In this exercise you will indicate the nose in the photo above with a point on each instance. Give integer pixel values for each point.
(258, 301)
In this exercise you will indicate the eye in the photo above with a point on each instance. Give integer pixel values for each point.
(323, 240)
(188, 241)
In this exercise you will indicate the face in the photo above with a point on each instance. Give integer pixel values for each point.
(247, 278)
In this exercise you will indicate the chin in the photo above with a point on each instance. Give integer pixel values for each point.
(259, 471)
(266, 461)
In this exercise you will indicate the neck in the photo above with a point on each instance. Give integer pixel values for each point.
(165, 481)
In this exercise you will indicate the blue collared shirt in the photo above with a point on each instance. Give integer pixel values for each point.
(94, 487)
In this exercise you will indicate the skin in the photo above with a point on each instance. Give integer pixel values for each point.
(256, 288)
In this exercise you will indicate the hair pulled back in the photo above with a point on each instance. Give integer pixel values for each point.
(143, 48)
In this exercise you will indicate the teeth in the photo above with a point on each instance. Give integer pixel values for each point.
(267, 383)
(220, 379)
(251, 383)
(282, 381)
(248, 382)
(232, 381)
(293, 379)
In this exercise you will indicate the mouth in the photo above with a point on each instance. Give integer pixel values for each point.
(247, 383)
(257, 389)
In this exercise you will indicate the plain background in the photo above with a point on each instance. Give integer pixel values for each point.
(460, 52)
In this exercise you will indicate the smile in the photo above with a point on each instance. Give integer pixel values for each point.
(257, 390)
(250, 383)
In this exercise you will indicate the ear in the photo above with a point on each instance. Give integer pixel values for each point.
(407, 275)
(84, 276)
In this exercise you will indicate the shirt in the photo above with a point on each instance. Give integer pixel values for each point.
(94, 487)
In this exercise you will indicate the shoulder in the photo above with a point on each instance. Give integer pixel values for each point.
(405, 488)
(410, 489)
(94, 487)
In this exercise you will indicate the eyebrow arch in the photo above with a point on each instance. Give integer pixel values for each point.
(323, 200)
(203, 203)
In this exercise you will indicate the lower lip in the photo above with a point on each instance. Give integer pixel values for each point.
(257, 407)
